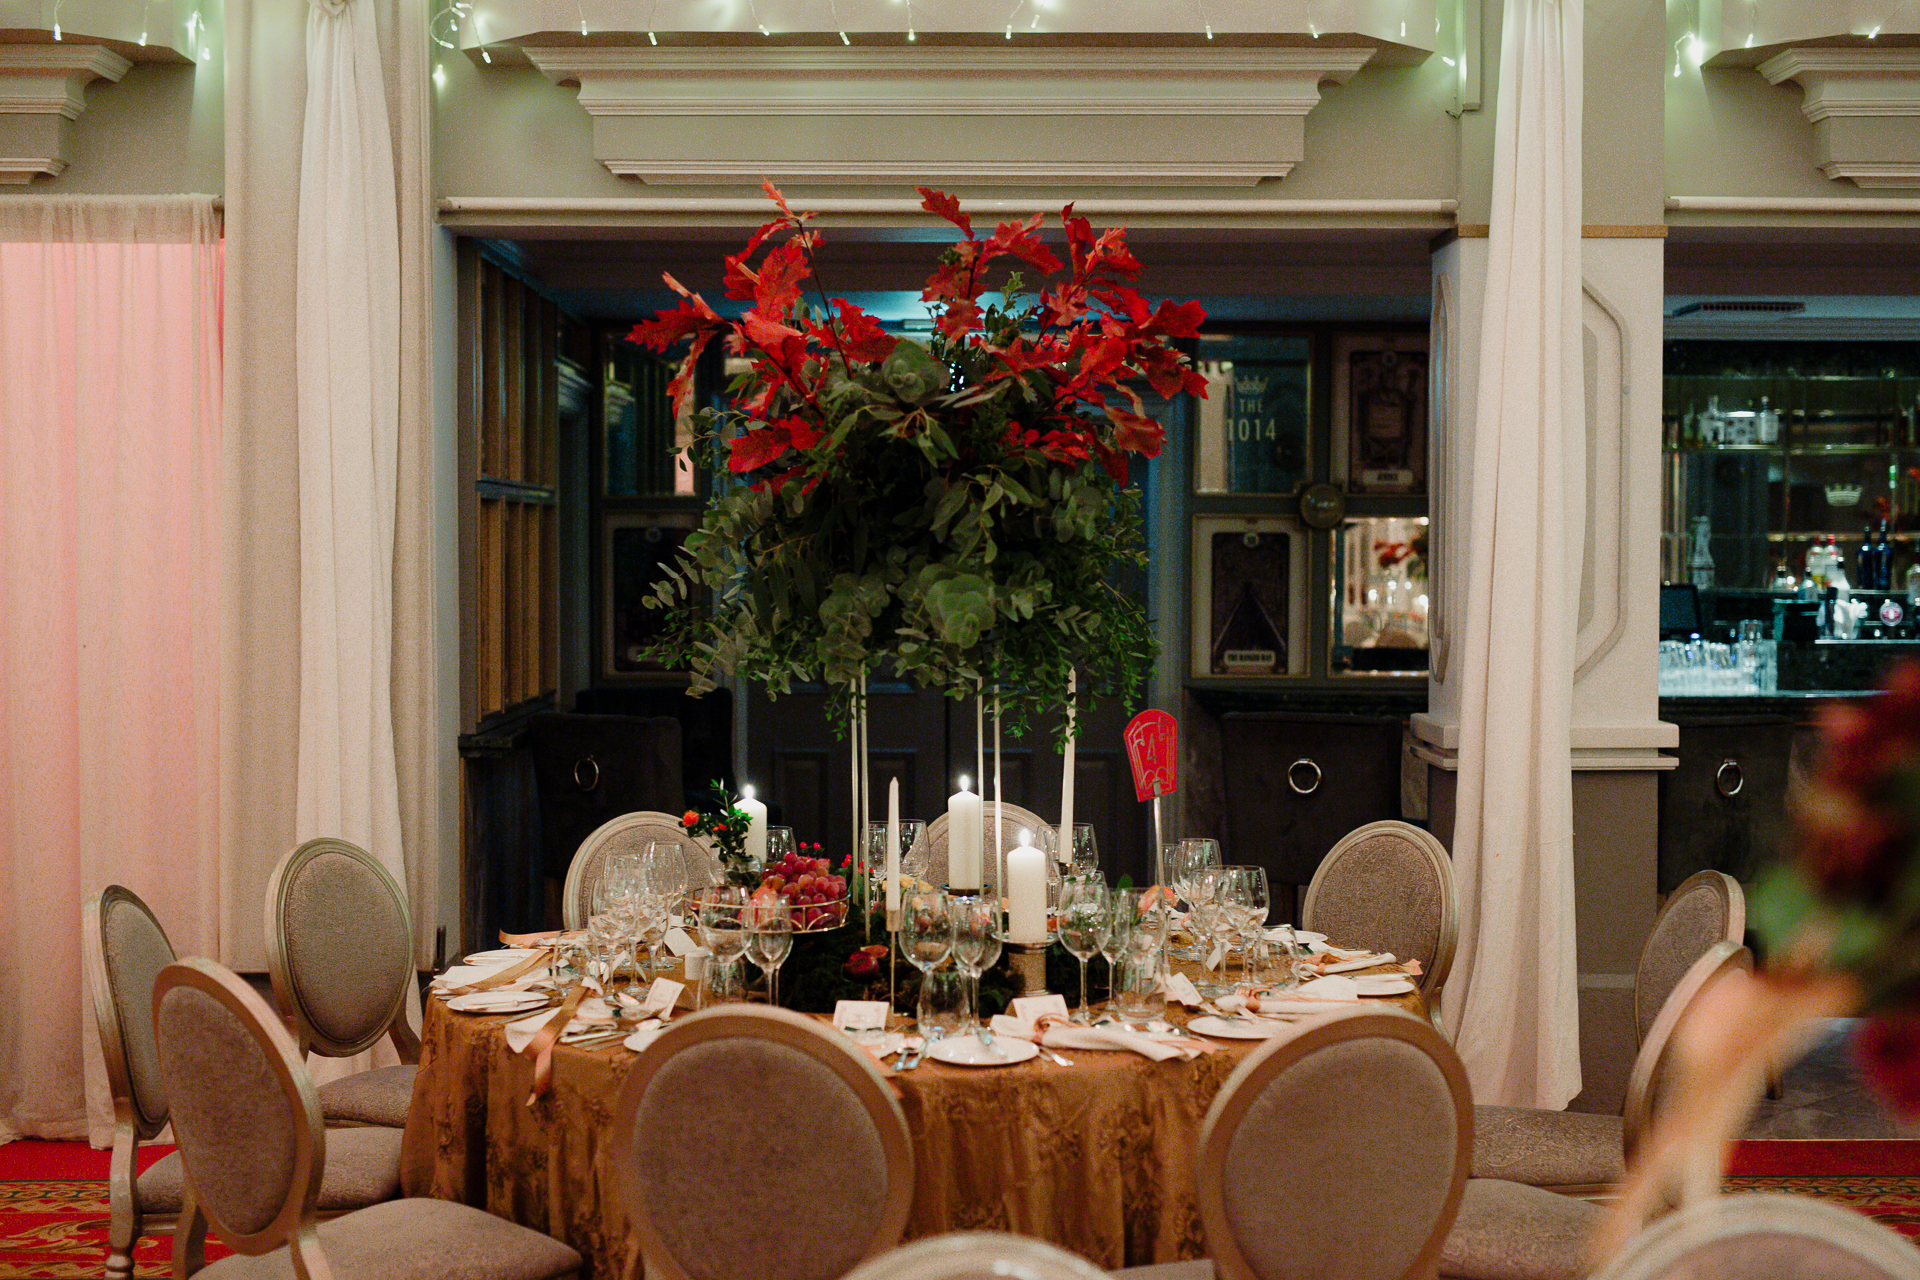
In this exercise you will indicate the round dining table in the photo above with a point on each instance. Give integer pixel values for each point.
(1096, 1156)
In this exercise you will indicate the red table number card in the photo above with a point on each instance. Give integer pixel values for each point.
(1153, 739)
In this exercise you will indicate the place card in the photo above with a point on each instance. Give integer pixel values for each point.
(1179, 987)
(680, 942)
(860, 1015)
(1030, 1009)
(661, 998)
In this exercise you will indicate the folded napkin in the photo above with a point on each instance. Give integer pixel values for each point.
(1363, 961)
(1060, 1035)
(462, 975)
(591, 1015)
(1316, 996)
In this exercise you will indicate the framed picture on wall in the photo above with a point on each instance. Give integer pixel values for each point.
(1252, 434)
(1380, 412)
(636, 548)
(1249, 608)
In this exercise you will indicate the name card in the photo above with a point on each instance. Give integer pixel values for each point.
(860, 1015)
(680, 943)
(1030, 1009)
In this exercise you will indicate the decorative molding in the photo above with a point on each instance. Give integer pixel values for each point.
(1860, 103)
(649, 107)
(43, 90)
(1603, 614)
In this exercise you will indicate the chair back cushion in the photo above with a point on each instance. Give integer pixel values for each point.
(630, 833)
(1013, 820)
(1648, 1076)
(339, 945)
(1765, 1236)
(1708, 907)
(717, 1155)
(125, 951)
(1388, 886)
(1339, 1150)
(244, 1112)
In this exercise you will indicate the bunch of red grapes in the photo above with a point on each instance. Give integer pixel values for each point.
(816, 897)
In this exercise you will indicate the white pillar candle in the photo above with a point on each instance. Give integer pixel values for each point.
(893, 846)
(999, 835)
(963, 839)
(756, 826)
(1026, 892)
(1064, 850)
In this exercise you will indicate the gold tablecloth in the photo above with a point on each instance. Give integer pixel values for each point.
(1096, 1157)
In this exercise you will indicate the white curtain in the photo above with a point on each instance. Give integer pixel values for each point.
(347, 331)
(1514, 1006)
(110, 606)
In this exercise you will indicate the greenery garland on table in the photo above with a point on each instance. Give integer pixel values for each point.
(955, 512)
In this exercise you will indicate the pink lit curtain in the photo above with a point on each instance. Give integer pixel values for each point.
(1513, 1005)
(110, 606)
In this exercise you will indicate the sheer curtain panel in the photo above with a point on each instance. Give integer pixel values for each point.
(110, 605)
(1513, 1005)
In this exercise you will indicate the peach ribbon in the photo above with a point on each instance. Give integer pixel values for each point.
(509, 974)
(541, 1046)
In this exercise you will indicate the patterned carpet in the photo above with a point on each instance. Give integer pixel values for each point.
(53, 1197)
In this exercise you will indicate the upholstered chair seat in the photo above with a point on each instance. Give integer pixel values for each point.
(1547, 1148)
(417, 1239)
(380, 1096)
(363, 1168)
(1510, 1231)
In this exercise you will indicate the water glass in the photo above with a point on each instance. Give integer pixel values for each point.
(976, 944)
(1086, 913)
(719, 913)
(926, 935)
(769, 941)
(943, 1003)
(910, 874)
(1136, 993)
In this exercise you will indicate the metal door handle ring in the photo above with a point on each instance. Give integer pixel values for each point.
(1311, 787)
(585, 762)
(1720, 778)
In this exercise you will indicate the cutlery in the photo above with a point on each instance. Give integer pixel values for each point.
(1048, 1053)
(986, 1037)
(924, 1046)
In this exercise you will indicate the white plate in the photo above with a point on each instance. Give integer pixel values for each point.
(1381, 984)
(497, 1001)
(1302, 936)
(967, 1051)
(501, 956)
(1226, 1029)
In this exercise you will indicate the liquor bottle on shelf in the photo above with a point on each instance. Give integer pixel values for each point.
(1883, 558)
(1863, 575)
(1767, 424)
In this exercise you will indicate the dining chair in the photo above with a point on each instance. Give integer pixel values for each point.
(977, 1255)
(1764, 1236)
(247, 1119)
(1389, 886)
(1581, 1153)
(1338, 1148)
(124, 950)
(1013, 820)
(340, 954)
(700, 1170)
(1509, 1230)
(630, 833)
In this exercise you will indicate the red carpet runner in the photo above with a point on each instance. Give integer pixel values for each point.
(53, 1197)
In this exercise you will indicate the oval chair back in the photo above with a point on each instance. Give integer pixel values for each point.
(244, 1110)
(630, 833)
(977, 1255)
(1385, 1091)
(1707, 907)
(679, 1120)
(1764, 1236)
(1389, 886)
(930, 851)
(1651, 1064)
(339, 948)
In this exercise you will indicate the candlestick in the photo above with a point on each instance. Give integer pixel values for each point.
(1064, 852)
(756, 826)
(1026, 892)
(893, 847)
(963, 839)
(999, 837)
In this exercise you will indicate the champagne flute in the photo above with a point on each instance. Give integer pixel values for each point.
(976, 946)
(1253, 903)
(720, 911)
(926, 935)
(769, 940)
(1086, 912)
(1123, 910)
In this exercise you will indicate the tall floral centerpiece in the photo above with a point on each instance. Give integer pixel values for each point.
(954, 510)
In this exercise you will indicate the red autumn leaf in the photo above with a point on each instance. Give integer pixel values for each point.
(1176, 320)
(669, 326)
(1113, 460)
(680, 387)
(1020, 240)
(778, 285)
(861, 337)
(1137, 433)
(1099, 359)
(955, 277)
(946, 206)
(960, 318)
(756, 448)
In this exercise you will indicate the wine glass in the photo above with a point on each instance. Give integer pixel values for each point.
(779, 844)
(663, 873)
(926, 932)
(910, 829)
(976, 945)
(1251, 901)
(720, 912)
(769, 940)
(1083, 859)
(1086, 912)
(611, 906)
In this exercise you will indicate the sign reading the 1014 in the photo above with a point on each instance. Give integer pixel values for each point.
(1253, 436)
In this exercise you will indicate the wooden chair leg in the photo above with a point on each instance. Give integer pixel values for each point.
(123, 1224)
